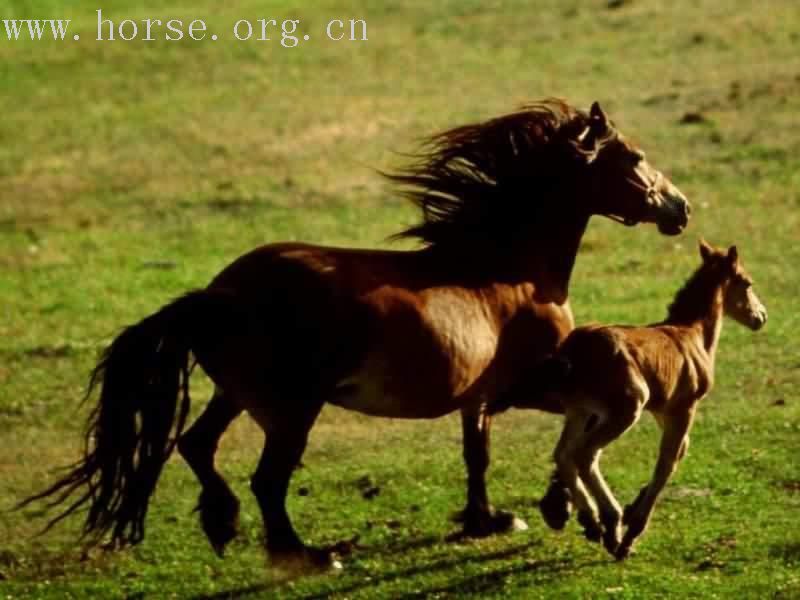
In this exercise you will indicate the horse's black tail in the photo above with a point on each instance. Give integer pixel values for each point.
(144, 380)
(537, 388)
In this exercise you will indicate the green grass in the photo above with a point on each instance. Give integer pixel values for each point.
(131, 172)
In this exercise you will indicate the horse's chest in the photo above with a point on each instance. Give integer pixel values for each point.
(464, 334)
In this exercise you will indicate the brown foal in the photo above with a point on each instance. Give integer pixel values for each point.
(613, 373)
(418, 334)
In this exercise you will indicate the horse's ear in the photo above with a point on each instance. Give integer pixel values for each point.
(733, 255)
(596, 128)
(706, 251)
(598, 118)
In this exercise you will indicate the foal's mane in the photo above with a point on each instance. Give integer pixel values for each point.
(488, 181)
(695, 299)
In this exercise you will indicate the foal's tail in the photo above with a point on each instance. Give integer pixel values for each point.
(538, 388)
(144, 396)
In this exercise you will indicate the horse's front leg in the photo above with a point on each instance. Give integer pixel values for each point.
(479, 518)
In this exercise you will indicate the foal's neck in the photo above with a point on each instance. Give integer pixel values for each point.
(699, 305)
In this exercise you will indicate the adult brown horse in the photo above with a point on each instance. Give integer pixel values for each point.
(410, 334)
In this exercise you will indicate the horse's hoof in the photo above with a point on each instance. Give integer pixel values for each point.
(305, 561)
(484, 524)
(518, 525)
(220, 535)
(555, 507)
(219, 518)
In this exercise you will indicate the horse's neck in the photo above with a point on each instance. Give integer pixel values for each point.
(551, 255)
(544, 258)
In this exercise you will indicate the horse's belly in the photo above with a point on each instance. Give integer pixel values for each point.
(427, 367)
(372, 398)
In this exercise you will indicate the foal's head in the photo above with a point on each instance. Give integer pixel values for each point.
(739, 299)
(630, 190)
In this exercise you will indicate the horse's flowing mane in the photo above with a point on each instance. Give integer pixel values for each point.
(490, 180)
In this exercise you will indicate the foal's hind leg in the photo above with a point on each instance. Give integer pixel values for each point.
(587, 458)
(571, 437)
(218, 506)
(479, 518)
(556, 504)
(286, 437)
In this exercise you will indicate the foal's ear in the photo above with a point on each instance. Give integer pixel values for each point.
(598, 118)
(733, 255)
(706, 250)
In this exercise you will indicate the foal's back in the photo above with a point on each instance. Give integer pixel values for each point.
(668, 361)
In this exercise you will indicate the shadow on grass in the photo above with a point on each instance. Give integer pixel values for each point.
(789, 552)
(483, 582)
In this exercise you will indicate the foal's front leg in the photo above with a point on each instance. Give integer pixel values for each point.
(674, 441)
(479, 518)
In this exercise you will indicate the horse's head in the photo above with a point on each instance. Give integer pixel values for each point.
(623, 185)
(740, 300)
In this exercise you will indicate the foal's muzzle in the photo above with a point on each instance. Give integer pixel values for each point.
(759, 319)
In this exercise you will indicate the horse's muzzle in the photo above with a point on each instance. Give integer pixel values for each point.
(674, 214)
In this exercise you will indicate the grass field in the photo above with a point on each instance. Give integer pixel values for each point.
(130, 172)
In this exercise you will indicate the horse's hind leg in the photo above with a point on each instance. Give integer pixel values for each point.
(286, 437)
(218, 506)
(479, 518)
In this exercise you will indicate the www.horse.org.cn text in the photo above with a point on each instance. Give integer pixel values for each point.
(286, 32)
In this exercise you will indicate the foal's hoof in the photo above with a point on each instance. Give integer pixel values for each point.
(305, 561)
(633, 507)
(612, 532)
(622, 552)
(486, 523)
(611, 541)
(592, 530)
(555, 506)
